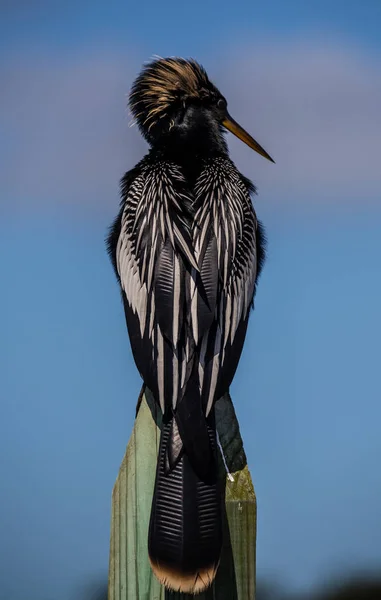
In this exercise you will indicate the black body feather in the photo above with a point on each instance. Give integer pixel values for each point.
(187, 250)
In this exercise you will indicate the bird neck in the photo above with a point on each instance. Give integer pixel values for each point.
(194, 134)
(200, 145)
(190, 154)
(191, 160)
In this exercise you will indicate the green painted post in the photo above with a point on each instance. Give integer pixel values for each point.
(130, 575)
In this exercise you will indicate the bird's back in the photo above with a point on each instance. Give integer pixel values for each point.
(187, 251)
(186, 247)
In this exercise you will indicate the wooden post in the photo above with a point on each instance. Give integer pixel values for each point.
(130, 575)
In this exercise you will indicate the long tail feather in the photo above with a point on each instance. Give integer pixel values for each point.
(185, 534)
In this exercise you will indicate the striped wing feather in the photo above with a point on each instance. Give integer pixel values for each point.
(154, 258)
(225, 209)
(187, 264)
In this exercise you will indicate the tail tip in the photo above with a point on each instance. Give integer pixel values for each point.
(174, 579)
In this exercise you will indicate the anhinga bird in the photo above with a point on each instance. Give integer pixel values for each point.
(187, 250)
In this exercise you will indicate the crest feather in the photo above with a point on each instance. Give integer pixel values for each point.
(164, 84)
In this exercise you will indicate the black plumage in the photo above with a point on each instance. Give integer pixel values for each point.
(187, 250)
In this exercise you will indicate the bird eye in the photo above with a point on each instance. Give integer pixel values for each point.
(222, 104)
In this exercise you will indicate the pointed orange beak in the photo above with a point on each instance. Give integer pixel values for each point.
(231, 125)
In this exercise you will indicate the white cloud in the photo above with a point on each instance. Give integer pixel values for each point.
(314, 107)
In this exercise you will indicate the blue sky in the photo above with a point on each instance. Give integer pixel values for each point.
(305, 80)
(184, 27)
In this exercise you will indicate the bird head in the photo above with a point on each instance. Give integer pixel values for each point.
(174, 101)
